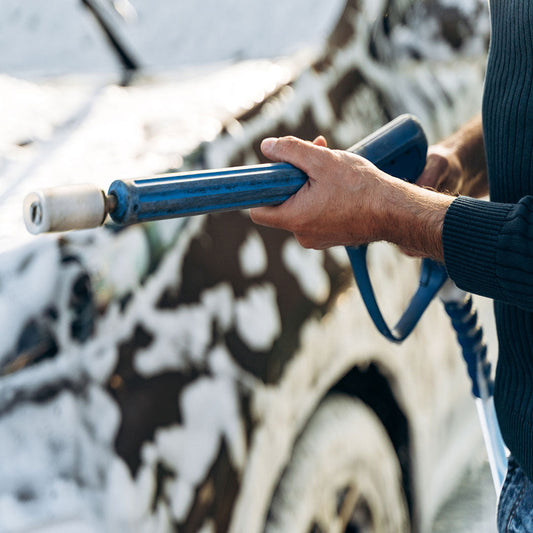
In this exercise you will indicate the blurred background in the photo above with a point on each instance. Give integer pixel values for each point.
(64, 38)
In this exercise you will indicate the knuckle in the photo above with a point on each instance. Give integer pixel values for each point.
(291, 139)
(288, 144)
(343, 159)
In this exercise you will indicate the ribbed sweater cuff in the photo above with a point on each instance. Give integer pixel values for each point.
(470, 237)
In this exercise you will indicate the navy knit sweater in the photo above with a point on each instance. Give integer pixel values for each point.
(488, 246)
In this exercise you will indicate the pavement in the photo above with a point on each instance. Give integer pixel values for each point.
(472, 507)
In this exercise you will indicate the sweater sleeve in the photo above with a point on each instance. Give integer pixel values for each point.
(488, 249)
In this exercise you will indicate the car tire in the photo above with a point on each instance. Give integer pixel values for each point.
(343, 476)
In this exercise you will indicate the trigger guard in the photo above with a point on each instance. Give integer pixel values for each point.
(432, 277)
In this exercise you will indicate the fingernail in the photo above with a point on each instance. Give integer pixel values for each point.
(267, 146)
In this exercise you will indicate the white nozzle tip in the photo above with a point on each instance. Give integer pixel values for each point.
(64, 208)
(33, 213)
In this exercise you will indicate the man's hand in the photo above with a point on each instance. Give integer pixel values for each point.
(443, 171)
(457, 164)
(328, 209)
(349, 201)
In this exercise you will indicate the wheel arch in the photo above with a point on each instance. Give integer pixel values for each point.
(372, 384)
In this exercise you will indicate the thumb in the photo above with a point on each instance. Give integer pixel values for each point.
(302, 154)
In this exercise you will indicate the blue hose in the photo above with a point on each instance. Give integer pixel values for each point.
(460, 308)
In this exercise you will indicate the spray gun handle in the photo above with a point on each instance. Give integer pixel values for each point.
(398, 148)
(401, 144)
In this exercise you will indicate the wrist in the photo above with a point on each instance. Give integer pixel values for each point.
(413, 218)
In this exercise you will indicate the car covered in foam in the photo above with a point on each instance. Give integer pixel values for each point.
(205, 374)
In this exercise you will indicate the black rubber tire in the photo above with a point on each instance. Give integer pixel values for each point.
(344, 476)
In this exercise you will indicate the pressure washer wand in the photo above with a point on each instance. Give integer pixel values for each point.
(400, 145)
